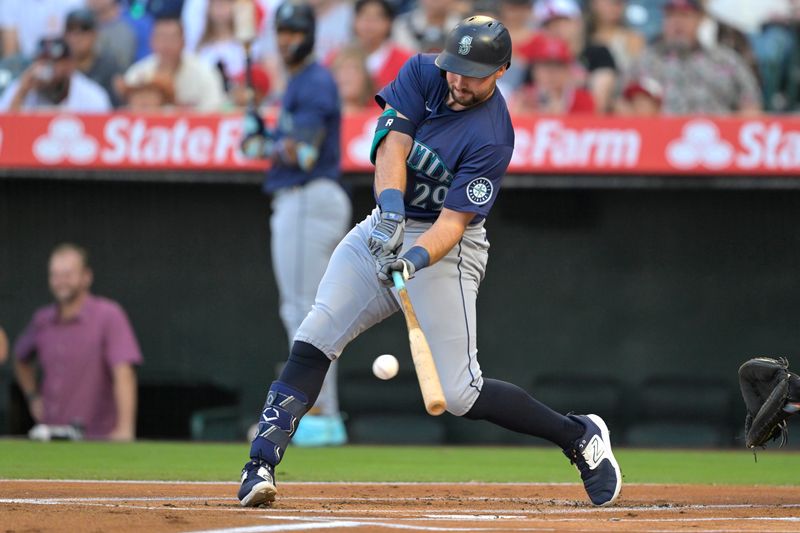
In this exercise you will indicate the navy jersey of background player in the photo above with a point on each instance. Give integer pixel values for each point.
(459, 157)
(309, 113)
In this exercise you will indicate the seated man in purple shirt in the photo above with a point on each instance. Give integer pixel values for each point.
(86, 350)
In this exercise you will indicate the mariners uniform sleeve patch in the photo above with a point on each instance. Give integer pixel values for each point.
(479, 191)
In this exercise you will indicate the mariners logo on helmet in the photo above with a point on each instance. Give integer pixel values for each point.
(479, 191)
(464, 45)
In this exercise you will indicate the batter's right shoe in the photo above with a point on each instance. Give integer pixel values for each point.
(258, 484)
(591, 454)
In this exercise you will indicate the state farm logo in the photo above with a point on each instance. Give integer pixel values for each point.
(127, 140)
(65, 140)
(700, 145)
(555, 143)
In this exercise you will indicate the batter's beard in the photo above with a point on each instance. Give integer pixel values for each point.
(471, 100)
(466, 102)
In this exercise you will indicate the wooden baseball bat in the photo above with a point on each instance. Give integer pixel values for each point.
(428, 377)
(245, 31)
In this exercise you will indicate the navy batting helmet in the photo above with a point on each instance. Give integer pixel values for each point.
(476, 47)
(299, 17)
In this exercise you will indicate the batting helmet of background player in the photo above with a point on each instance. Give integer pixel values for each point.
(298, 17)
(476, 47)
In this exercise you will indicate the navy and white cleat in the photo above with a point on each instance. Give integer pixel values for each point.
(592, 455)
(258, 484)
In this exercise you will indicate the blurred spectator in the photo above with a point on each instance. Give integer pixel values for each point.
(90, 59)
(777, 50)
(198, 86)
(86, 351)
(517, 16)
(748, 16)
(194, 18)
(117, 35)
(373, 32)
(3, 346)
(555, 90)
(356, 89)
(334, 25)
(239, 93)
(424, 28)
(160, 8)
(25, 22)
(563, 19)
(52, 81)
(696, 79)
(218, 45)
(642, 98)
(605, 25)
(147, 95)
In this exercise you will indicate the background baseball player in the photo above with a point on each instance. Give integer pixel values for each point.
(441, 149)
(310, 210)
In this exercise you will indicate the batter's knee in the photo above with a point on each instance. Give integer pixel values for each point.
(460, 401)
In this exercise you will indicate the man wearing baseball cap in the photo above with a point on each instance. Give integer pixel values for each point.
(555, 90)
(696, 79)
(80, 33)
(563, 19)
(52, 81)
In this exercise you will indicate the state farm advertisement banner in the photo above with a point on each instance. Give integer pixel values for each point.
(699, 146)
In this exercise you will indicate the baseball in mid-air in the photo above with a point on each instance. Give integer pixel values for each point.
(385, 366)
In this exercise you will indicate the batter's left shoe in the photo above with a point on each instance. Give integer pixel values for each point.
(591, 454)
(258, 484)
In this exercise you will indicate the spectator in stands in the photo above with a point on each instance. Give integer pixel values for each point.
(777, 49)
(642, 98)
(24, 23)
(53, 82)
(555, 90)
(563, 19)
(356, 88)
(696, 79)
(147, 95)
(93, 61)
(86, 350)
(218, 45)
(605, 25)
(116, 34)
(373, 31)
(517, 16)
(334, 25)
(424, 28)
(3, 346)
(198, 86)
(239, 93)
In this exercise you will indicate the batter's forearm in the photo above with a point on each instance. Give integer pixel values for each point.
(390, 162)
(125, 398)
(444, 234)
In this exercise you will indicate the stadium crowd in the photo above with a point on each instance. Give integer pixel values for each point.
(630, 57)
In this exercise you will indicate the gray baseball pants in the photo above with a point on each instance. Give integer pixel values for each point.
(350, 299)
(306, 224)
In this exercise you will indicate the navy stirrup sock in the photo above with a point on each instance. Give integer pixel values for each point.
(288, 399)
(305, 370)
(509, 406)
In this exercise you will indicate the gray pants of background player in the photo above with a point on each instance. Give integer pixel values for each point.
(306, 225)
(350, 299)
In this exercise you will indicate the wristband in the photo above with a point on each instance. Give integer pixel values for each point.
(30, 396)
(391, 201)
(418, 256)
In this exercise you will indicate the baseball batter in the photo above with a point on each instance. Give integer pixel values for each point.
(441, 149)
(310, 210)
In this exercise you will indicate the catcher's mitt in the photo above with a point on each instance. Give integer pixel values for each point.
(765, 388)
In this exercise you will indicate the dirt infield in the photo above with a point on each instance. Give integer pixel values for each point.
(34, 506)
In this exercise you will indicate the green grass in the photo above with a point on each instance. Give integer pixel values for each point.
(222, 462)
